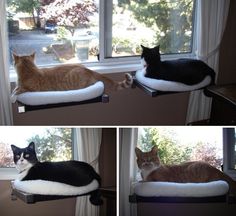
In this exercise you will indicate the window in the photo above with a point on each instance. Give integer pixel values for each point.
(95, 32)
(52, 144)
(215, 145)
(150, 22)
(59, 31)
(229, 135)
(181, 144)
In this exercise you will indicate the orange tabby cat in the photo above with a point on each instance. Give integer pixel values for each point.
(194, 172)
(59, 78)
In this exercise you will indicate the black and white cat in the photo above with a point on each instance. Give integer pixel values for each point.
(55, 178)
(186, 71)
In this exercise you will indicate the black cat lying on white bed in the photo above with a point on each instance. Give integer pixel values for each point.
(55, 178)
(185, 71)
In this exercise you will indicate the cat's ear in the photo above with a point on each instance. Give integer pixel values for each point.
(154, 149)
(31, 146)
(157, 49)
(15, 56)
(138, 151)
(143, 47)
(33, 55)
(14, 148)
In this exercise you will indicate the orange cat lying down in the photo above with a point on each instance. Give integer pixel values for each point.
(193, 172)
(60, 78)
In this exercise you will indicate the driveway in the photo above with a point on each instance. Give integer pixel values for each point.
(27, 42)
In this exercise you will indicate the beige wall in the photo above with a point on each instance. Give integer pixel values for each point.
(107, 159)
(107, 167)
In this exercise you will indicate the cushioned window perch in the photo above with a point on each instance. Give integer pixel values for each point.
(170, 192)
(29, 101)
(33, 191)
(156, 87)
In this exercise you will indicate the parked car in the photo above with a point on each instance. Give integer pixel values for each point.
(50, 27)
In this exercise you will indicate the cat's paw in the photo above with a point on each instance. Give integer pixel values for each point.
(13, 98)
(129, 78)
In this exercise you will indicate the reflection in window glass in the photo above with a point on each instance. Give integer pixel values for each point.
(58, 31)
(52, 144)
(165, 22)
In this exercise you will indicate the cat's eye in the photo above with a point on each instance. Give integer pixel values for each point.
(17, 156)
(26, 155)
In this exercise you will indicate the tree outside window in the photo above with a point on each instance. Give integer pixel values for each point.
(168, 23)
(52, 144)
(125, 26)
(174, 149)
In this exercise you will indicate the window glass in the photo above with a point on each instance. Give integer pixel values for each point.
(180, 144)
(232, 158)
(52, 144)
(58, 31)
(68, 31)
(168, 23)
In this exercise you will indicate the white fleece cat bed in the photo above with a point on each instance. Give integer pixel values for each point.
(168, 86)
(43, 187)
(55, 97)
(172, 189)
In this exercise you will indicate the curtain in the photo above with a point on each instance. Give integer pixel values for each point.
(128, 168)
(211, 22)
(87, 147)
(5, 105)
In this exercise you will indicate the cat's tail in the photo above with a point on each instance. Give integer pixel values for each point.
(126, 83)
(111, 85)
(96, 198)
(212, 74)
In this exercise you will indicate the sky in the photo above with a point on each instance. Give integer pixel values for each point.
(190, 134)
(203, 133)
(19, 135)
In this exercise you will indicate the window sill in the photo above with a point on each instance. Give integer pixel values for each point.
(116, 65)
(8, 173)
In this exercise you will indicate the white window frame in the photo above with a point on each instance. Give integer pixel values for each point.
(8, 173)
(228, 149)
(119, 64)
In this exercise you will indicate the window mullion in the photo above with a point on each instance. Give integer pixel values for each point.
(101, 30)
(228, 148)
(105, 26)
